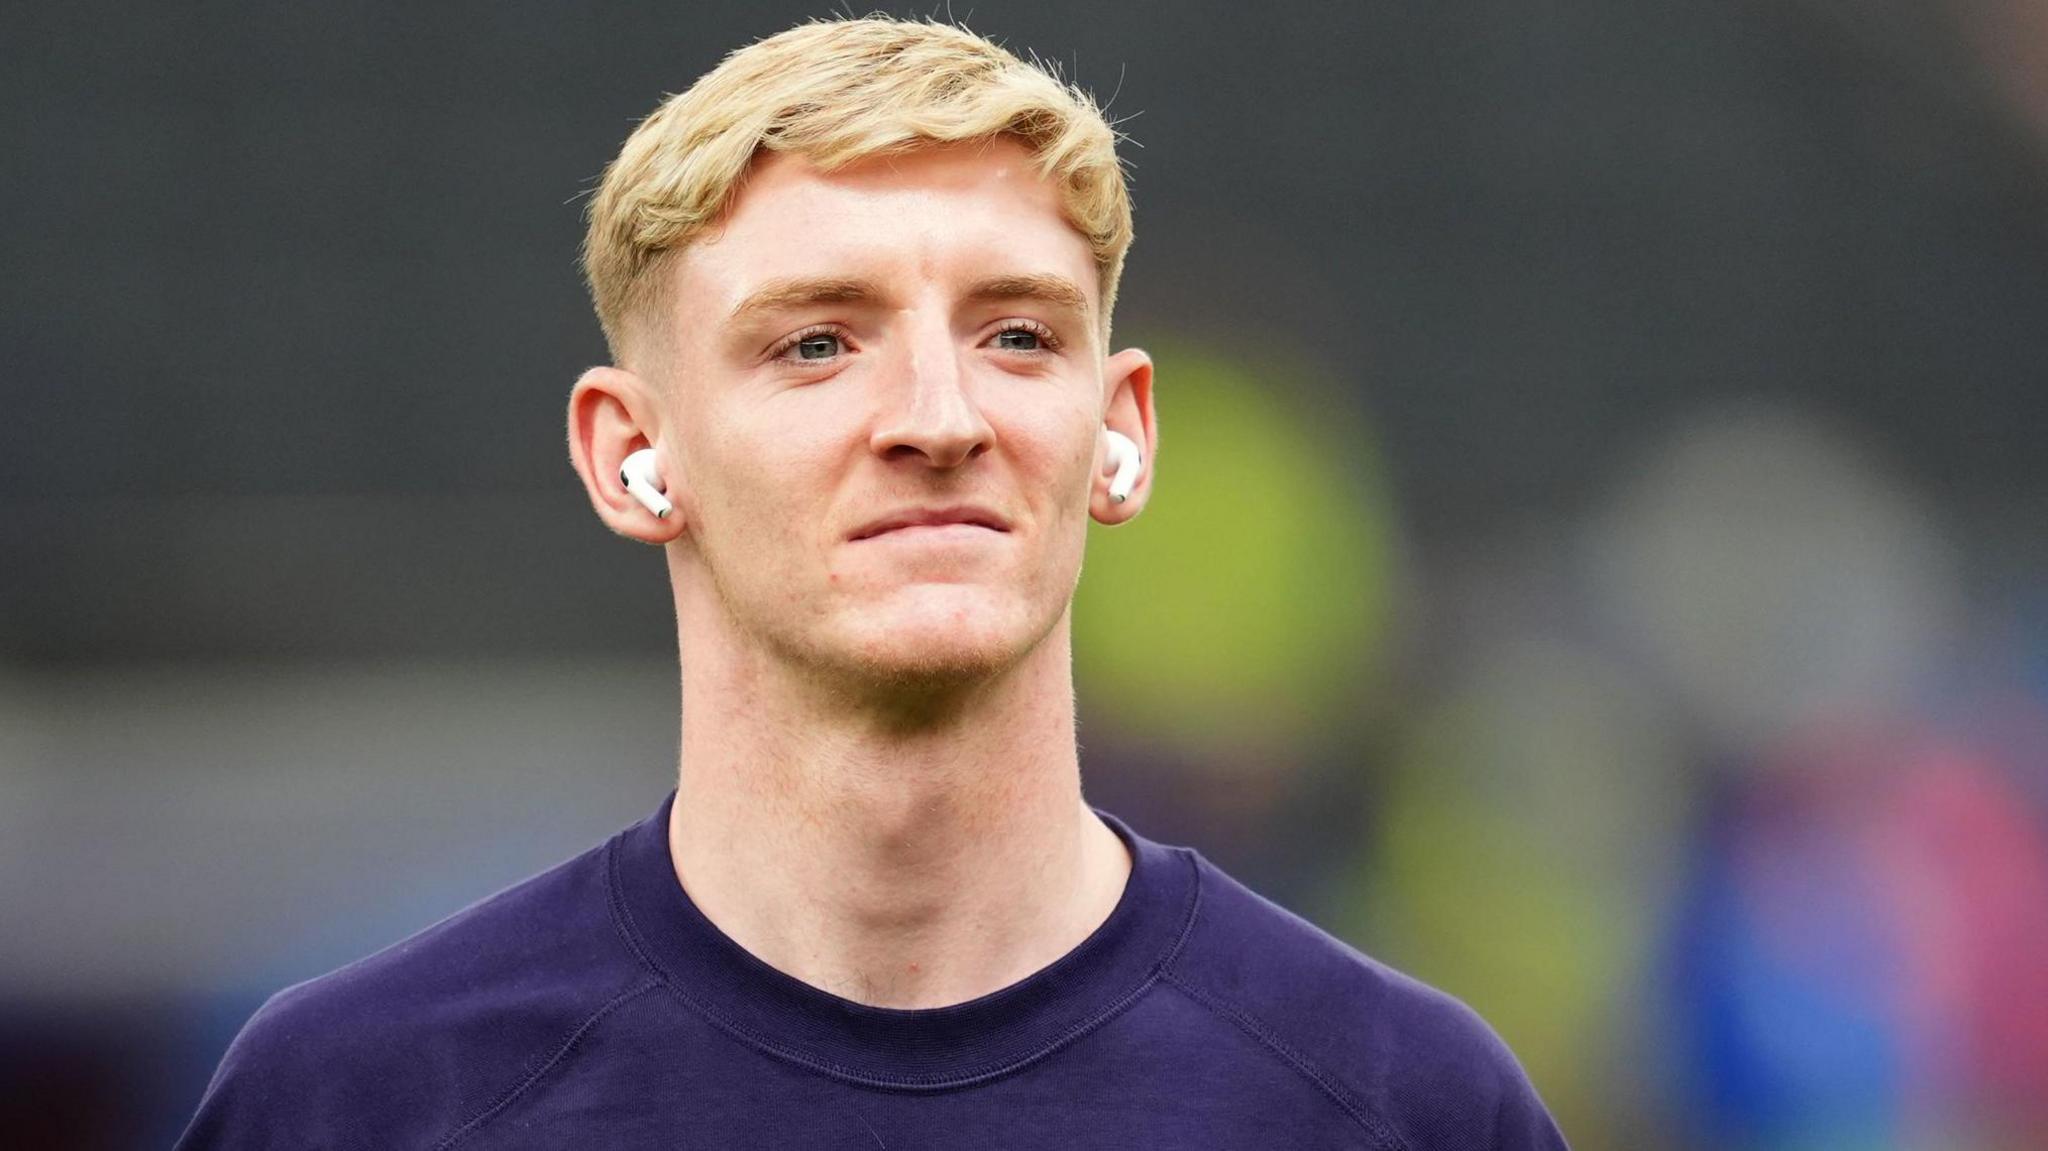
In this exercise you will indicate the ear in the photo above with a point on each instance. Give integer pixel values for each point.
(1127, 380)
(612, 414)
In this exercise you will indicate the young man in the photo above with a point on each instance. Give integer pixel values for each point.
(857, 285)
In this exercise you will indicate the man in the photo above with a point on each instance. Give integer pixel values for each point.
(857, 285)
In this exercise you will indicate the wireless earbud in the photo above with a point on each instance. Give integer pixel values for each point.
(1128, 459)
(643, 482)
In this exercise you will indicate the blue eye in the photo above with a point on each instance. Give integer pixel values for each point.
(1027, 336)
(822, 346)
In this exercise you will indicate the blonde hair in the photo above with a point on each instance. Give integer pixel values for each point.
(834, 92)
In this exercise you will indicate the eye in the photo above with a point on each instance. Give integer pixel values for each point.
(1026, 336)
(814, 345)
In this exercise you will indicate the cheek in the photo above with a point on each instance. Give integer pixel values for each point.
(1054, 462)
(1062, 458)
(766, 489)
(1049, 434)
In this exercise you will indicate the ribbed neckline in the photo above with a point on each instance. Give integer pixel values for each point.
(932, 1048)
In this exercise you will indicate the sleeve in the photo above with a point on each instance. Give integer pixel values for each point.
(242, 1105)
(1465, 1089)
(314, 1072)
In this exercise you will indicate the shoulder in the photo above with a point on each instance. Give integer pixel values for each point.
(1416, 1067)
(407, 1044)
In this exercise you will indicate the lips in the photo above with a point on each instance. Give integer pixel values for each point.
(969, 514)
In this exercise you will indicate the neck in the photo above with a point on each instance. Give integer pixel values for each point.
(909, 855)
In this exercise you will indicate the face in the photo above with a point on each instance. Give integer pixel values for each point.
(883, 392)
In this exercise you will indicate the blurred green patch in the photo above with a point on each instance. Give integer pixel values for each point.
(1251, 599)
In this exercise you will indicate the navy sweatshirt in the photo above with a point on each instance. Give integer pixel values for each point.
(594, 1006)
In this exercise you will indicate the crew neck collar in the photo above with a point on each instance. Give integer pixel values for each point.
(923, 1048)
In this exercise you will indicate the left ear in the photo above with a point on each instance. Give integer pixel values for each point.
(1127, 381)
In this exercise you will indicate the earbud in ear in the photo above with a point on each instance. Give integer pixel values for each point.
(642, 478)
(1126, 457)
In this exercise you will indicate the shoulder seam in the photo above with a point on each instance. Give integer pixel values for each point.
(469, 1126)
(1386, 1139)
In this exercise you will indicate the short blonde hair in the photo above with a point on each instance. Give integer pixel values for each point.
(835, 92)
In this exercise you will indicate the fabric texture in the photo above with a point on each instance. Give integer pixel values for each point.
(594, 1006)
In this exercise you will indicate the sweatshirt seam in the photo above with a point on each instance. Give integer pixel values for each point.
(1250, 1024)
(562, 1051)
(628, 928)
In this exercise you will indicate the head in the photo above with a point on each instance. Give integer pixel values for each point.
(862, 273)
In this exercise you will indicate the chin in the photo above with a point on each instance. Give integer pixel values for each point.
(939, 636)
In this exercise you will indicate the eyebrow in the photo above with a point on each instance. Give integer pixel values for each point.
(797, 292)
(1055, 290)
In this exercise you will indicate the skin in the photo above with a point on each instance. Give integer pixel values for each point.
(879, 791)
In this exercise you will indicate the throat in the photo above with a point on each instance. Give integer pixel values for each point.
(913, 913)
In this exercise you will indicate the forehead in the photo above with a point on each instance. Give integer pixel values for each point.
(943, 214)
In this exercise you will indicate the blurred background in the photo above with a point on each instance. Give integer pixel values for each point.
(1597, 564)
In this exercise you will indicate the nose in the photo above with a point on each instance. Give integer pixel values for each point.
(930, 412)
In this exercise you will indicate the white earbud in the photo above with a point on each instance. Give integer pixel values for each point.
(643, 482)
(1124, 454)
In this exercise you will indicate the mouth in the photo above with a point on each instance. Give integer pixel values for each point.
(936, 533)
(947, 522)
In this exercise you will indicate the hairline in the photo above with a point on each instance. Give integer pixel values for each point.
(653, 284)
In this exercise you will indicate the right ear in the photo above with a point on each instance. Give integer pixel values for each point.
(612, 414)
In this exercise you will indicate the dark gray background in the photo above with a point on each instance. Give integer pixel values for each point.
(290, 302)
